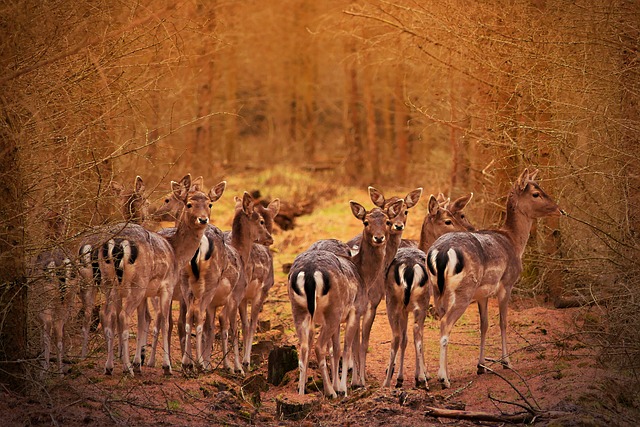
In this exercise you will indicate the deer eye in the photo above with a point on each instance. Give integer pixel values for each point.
(189, 205)
(406, 212)
(210, 205)
(388, 222)
(447, 222)
(461, 216)
(365, 222)
(262, 222)
(166, 200)
(536, 195)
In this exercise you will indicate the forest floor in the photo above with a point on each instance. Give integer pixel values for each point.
(554, 369)
(555, 362)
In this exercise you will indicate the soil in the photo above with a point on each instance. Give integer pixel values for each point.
(554, 369)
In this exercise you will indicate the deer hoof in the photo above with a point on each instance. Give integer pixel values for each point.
(422, 384)
(481, 369)
(445, 383)
(108, 371)
(136, 368)
(167, 370)
(399, 383)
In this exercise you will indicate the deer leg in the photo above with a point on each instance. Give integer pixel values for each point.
(484, 326)
(46, 340)
(305, 337)
(208, 335)
(350, 337)
(233, 327)
(151, 361)
(245, 321)
(419, 316)
(88, 297)
(108, 320)
(395, 342)
(320, 348)
(367, 323)
(182, 325)
(503, 304)
(193, 316)
(356, 378)
(335, 361)
(446, 325)
(59, 334)
(141, 336)
(163, 321)
(404, 320)
(123, 333)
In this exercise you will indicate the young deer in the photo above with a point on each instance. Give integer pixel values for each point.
(260, 280)
(137, 264)
(57, 282)
(221, 281)
(134, 209)
(375, 289)
(478, 265)
(327, 289)
(405, 289)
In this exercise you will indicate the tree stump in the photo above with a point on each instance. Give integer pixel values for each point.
(281, 361)
(296, 407)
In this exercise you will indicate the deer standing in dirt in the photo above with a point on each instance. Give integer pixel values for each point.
(468, 266)
(56, 281)
(327, 289)
(405, 289)
(218, 279)
(375, 289)
(134, 209)
(260, 279)
(137, 264)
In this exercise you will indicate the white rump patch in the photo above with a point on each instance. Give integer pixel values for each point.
(204, 247)
(401, 270)
(317, 276)
(418, 273)
(453, 260)
(126, 250)
(300, 282)
(432, 259)
(354, 250)
(86, 255)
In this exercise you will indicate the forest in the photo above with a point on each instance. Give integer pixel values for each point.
(312, 102)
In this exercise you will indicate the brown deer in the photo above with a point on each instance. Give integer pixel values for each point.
(468, 266)
(327, 289)
(134, 209)
(375, 289)
(260, 280)
(56, 281)
(220, 281)
(137, 264)
(405, 289)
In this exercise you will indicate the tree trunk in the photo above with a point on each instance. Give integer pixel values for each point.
(13, 289)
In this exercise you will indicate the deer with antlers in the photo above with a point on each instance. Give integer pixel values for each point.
(137, 264)
(468, 266)
(327, 289)
(405, 290)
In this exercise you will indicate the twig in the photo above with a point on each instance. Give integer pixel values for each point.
(531, 408)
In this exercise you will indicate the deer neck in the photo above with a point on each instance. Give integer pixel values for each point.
(369, 261)
(392, 248)
(517, 226)
(426, 236)
(240, 239)
(185, 240)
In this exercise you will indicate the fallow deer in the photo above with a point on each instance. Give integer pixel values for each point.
(327, 289)
(405, 289)
(260, 279)
(137, 264)
(221, 281)
(375, 289)
(478, 265)
(56, 281)
(134, 209)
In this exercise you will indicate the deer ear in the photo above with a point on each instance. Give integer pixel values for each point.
(247, 203)
(461, 203)
(197, 184)
(523, 180)
(532, 175)
(186, 181)
(376, 197)
(358, 210)
(274, 207)
(395, 208)
(413, 198)
(116, 188)
(216, 192)
(179, 190)
(139, 185)
(434, 205)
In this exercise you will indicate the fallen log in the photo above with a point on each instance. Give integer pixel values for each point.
(519, 418)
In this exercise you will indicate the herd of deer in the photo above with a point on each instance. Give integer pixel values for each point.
(334, 283)
(330, 284)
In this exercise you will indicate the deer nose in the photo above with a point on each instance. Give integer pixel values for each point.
(203, 220)
(398, 226)
(378, 239)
